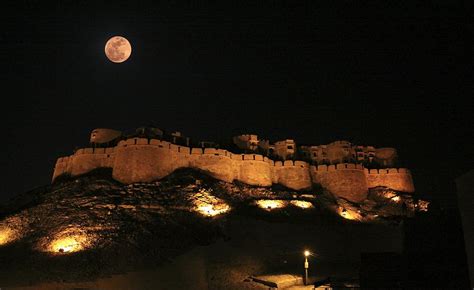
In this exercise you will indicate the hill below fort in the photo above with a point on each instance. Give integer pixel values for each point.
(91, 226)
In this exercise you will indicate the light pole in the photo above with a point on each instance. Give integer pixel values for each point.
(306, 266)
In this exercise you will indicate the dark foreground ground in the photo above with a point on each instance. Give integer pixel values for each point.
(153, 236)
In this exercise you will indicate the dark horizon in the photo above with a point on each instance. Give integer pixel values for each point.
(386, 75)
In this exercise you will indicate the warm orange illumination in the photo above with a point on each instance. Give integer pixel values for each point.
(392, 196)
(269, 204)
(11, 229)
(307, 253)
(301, 203)
(209, 205)
(69, 241)
(6, 235)
(422, 205)
(349, 214)
(212, 210)
(68, 244)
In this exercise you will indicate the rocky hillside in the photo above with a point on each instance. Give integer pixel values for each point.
(92, 226)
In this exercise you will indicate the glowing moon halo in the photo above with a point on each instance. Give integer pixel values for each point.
(118, 49)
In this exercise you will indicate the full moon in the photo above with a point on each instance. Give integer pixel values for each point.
(118, 49)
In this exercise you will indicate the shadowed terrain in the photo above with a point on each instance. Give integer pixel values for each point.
(188, 225)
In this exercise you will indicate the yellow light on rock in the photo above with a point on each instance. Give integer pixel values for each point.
(349, 214)
(213, 210)
(69, 241)
(301, 203)
(6, 235)
(68, 244)
(11, 229)
(209, 205)
(269, 204)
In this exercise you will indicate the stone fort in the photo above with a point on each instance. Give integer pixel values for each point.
(149, 154)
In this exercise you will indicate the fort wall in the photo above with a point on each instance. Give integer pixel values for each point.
(395, 178)
(146, 160)
(217, 165)
(84, 160)
(255, 171)
(60, 167)
(293, 174)
(142, 163)
(345, 180)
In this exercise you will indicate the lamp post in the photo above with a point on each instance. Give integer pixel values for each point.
(306, 266)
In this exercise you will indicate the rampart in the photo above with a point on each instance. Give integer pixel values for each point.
(394, 178)
(345, 180)
(146, 160)
(84, 160)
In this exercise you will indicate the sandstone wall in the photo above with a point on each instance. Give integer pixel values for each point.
(87, 159)
(217, 163)
(394, 178)
(344, 180)
(145, 160)
(84, 160)
(61, 167)
(293, 174)
(140, 160)
(254, 170)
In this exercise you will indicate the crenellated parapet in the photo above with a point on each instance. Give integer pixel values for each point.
(145, 160)
(348, 180)
(84, 160)
(395, 178)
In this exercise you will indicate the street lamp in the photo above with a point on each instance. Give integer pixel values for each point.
(306, 266)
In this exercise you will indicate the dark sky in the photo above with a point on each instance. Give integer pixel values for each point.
(398, 74)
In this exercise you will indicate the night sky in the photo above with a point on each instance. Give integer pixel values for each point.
(397, 75)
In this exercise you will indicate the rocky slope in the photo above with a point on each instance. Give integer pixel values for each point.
(92, 226)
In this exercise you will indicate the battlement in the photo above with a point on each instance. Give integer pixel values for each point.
(340, 166)
(388, 171)
(109, 150)
(140, 159)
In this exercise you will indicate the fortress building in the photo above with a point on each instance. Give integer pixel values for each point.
(246, 142)
(344, 152)
(149, 155)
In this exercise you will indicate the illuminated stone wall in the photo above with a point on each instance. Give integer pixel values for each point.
(345, 180)
(145, 160)
(254, 170)
(215, 162)
(141, 162)
(394, 178)
(293, 174)
(84, 160)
